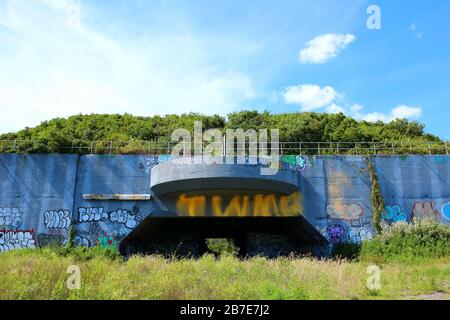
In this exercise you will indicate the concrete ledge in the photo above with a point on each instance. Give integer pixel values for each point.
(116, 196)
(170, 177)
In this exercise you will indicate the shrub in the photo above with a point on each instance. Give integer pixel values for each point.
(82, 253)
(222, 246)
(406, 241)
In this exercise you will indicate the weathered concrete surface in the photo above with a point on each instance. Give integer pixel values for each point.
(415, 187)
(110, 174)
(36, 198)
(42, 195)
(336, 197)
(179, 174)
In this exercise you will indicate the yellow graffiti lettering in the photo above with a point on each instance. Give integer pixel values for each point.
(238, 207)
(259, 205)
(290, 205)
(265, 205)
(191, 206)
(216, 203)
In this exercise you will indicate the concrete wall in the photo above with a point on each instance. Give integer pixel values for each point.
(336, 197)
(415, 187)
(36, 199)
(42, 195)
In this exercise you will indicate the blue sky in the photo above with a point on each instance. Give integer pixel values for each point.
(63, 57)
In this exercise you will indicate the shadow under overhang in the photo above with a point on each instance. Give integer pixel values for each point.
(157, 228)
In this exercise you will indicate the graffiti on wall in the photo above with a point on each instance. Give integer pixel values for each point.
(128, 218)
(10, 217)
(16, 239)
(347, 225)
(425, 210)
(445, 210)
(240, 205)
(441, 159)
(44, 239)
(345, 212)
(146, 162)
(335, 233)
(293, 162)
(394, 214)
(107, 242)
(357, 235)
(93, 214)
(96, 235)
(81, 241)
(287, 162)
(57, 219)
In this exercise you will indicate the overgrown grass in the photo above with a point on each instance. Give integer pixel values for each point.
(414, 261)
(42, 274)
(82, 253)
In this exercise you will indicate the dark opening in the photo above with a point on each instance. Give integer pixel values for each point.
(181, 236)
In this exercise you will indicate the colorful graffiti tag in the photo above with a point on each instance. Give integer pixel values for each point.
(147, 162)
(357, 235)
(426, 210)
(126, 217)
(17, 239)
(95, 214)
(349, 227)
(345, 212)
(240, 205)
(107, 242)
(92, 214)
(394, 213)
(445, 210)
(335, 233)
(293, 162)
(10, 217)
(57, 219)
(287, 162)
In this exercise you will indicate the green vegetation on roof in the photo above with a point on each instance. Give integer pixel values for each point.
(60, 133)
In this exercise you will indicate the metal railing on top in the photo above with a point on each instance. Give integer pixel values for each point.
(164, 146)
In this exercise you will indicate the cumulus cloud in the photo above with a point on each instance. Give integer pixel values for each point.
(399, 112)
(56, 66)
(310, 96)
(403, 111)
(324, 47)
(334, 108)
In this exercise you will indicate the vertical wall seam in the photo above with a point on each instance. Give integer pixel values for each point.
(74, 190)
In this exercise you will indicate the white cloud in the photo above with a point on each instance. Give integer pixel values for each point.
(334, 108)
(403, 111)
(355, 108)
(324, 47)
(399, 112)
(310, 96)
(52, 69)
(414, 29)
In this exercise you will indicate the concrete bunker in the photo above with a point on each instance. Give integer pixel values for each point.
(262, 214)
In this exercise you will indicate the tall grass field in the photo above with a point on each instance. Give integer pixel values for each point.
(413, 259)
